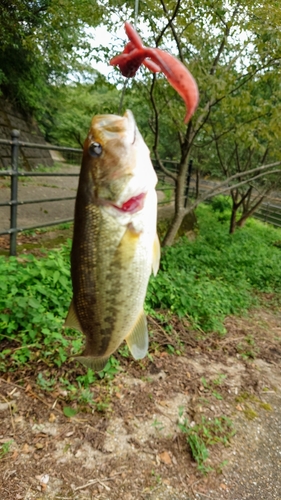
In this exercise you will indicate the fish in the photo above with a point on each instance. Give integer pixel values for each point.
(115, 246)
(135, 54)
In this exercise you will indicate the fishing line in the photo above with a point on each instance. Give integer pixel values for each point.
(126, 81)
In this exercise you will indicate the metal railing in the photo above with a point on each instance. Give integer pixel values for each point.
(267, 212)
(14, 174)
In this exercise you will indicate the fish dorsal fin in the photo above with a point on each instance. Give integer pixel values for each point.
(71, 320)
(96, 364)
(137, 339)
(156, 255)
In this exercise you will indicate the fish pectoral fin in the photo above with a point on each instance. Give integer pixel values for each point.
(156, 255)
(137, 339)
(71, 319)
(96, 364)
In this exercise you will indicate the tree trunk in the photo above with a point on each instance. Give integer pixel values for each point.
(174, 227)
(180, 210)
(246, 214)
(197, 183)
(233, 224)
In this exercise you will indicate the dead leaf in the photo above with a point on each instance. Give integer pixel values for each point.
(223, 486)
(165, 458)
(25, 448)
(39, 446)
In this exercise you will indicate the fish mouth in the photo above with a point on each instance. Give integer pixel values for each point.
(133, 205)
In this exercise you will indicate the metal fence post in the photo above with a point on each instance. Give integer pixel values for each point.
(14, 192)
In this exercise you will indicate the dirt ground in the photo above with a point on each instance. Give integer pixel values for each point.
(134, 448)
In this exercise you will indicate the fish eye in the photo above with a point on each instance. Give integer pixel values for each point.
(95, 149)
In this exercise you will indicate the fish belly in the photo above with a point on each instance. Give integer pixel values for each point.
(111, 265)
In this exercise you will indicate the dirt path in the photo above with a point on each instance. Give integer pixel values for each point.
(36, 188)
(132, 446)
(41, 188)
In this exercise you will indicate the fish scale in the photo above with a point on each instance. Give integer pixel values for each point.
(113, 250)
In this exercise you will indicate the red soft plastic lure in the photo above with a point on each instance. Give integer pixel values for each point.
(135, 54)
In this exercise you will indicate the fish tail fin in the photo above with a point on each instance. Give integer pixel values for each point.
(96, 364)
(137, 339)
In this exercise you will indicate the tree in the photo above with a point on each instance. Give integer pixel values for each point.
(40, 44)
(232, 48)
(67, 119)
(254, 140)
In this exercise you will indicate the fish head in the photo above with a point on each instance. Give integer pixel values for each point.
(117, 162)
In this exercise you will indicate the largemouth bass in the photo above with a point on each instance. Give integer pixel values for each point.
(115, 245)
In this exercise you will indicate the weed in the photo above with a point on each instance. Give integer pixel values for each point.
(249, 412)
(157, 425)
(45, 384)
(87, 379)
(205, 434)
(111, 368)
(5, 448)
(213, 384)
(217, 274)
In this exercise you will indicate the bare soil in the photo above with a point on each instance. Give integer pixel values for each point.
(134, 448)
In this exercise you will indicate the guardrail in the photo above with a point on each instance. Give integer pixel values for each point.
(14, 174)
(267, 212)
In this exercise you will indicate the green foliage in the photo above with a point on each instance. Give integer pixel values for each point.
(221, 203)
(217, 274)
(39, 44)
(111, 368)
(205, 434)
(34, 296)
(5, 448)
(69, 412)
(71, 108)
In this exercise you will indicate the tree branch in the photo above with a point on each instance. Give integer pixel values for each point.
(224, 186)
(156, 133)
(224, 40)
(170, 24)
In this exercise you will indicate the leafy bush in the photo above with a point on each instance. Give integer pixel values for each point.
(34, 298)
(206, 279)
(218, 273)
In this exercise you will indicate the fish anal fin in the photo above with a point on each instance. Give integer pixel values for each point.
(71, 320)
(156, 255)
(96, 364)
(137, 339)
